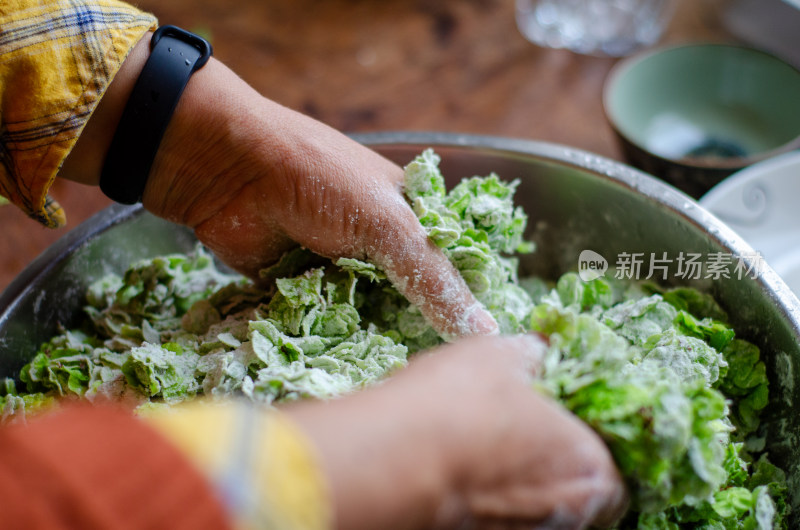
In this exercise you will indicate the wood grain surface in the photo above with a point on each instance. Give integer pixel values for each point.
(379, 65)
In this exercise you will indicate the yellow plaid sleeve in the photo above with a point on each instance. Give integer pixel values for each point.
(262, 466)
(57, 57)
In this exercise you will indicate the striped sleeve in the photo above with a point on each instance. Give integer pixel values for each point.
(56, 60)
(264, 469)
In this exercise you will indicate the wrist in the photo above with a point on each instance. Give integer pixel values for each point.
(193, 149)
(223, 137)
(385, 461)
(175, 54)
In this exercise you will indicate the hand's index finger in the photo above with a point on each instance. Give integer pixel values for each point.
(424, 275)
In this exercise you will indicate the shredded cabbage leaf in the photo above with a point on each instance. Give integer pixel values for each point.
(657, 373)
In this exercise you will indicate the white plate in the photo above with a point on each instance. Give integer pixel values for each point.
(762, 204)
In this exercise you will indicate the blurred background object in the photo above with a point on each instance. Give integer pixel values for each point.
(773, 25)
(595, 27)
(693, 114)
(760, 204)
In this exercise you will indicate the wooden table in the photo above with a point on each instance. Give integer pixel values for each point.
(368, 65)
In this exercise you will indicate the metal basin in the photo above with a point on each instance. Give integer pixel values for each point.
(575, 200)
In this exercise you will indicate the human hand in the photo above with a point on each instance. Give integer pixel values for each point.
(252, 198)
(254, 179)
(460, 439)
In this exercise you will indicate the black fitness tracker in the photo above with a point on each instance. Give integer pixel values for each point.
(174, 55)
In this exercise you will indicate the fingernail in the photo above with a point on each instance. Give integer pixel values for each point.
(480, 321)
(474, 320)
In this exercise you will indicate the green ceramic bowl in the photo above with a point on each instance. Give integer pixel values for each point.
(694, 114)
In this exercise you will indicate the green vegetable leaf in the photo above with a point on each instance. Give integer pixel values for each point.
(655, 371)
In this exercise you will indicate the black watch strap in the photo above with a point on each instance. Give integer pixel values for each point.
(174, 55)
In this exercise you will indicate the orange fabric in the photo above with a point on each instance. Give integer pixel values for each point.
(97, 467)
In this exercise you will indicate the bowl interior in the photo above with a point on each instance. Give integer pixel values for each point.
(705, 101)
(575, 200)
